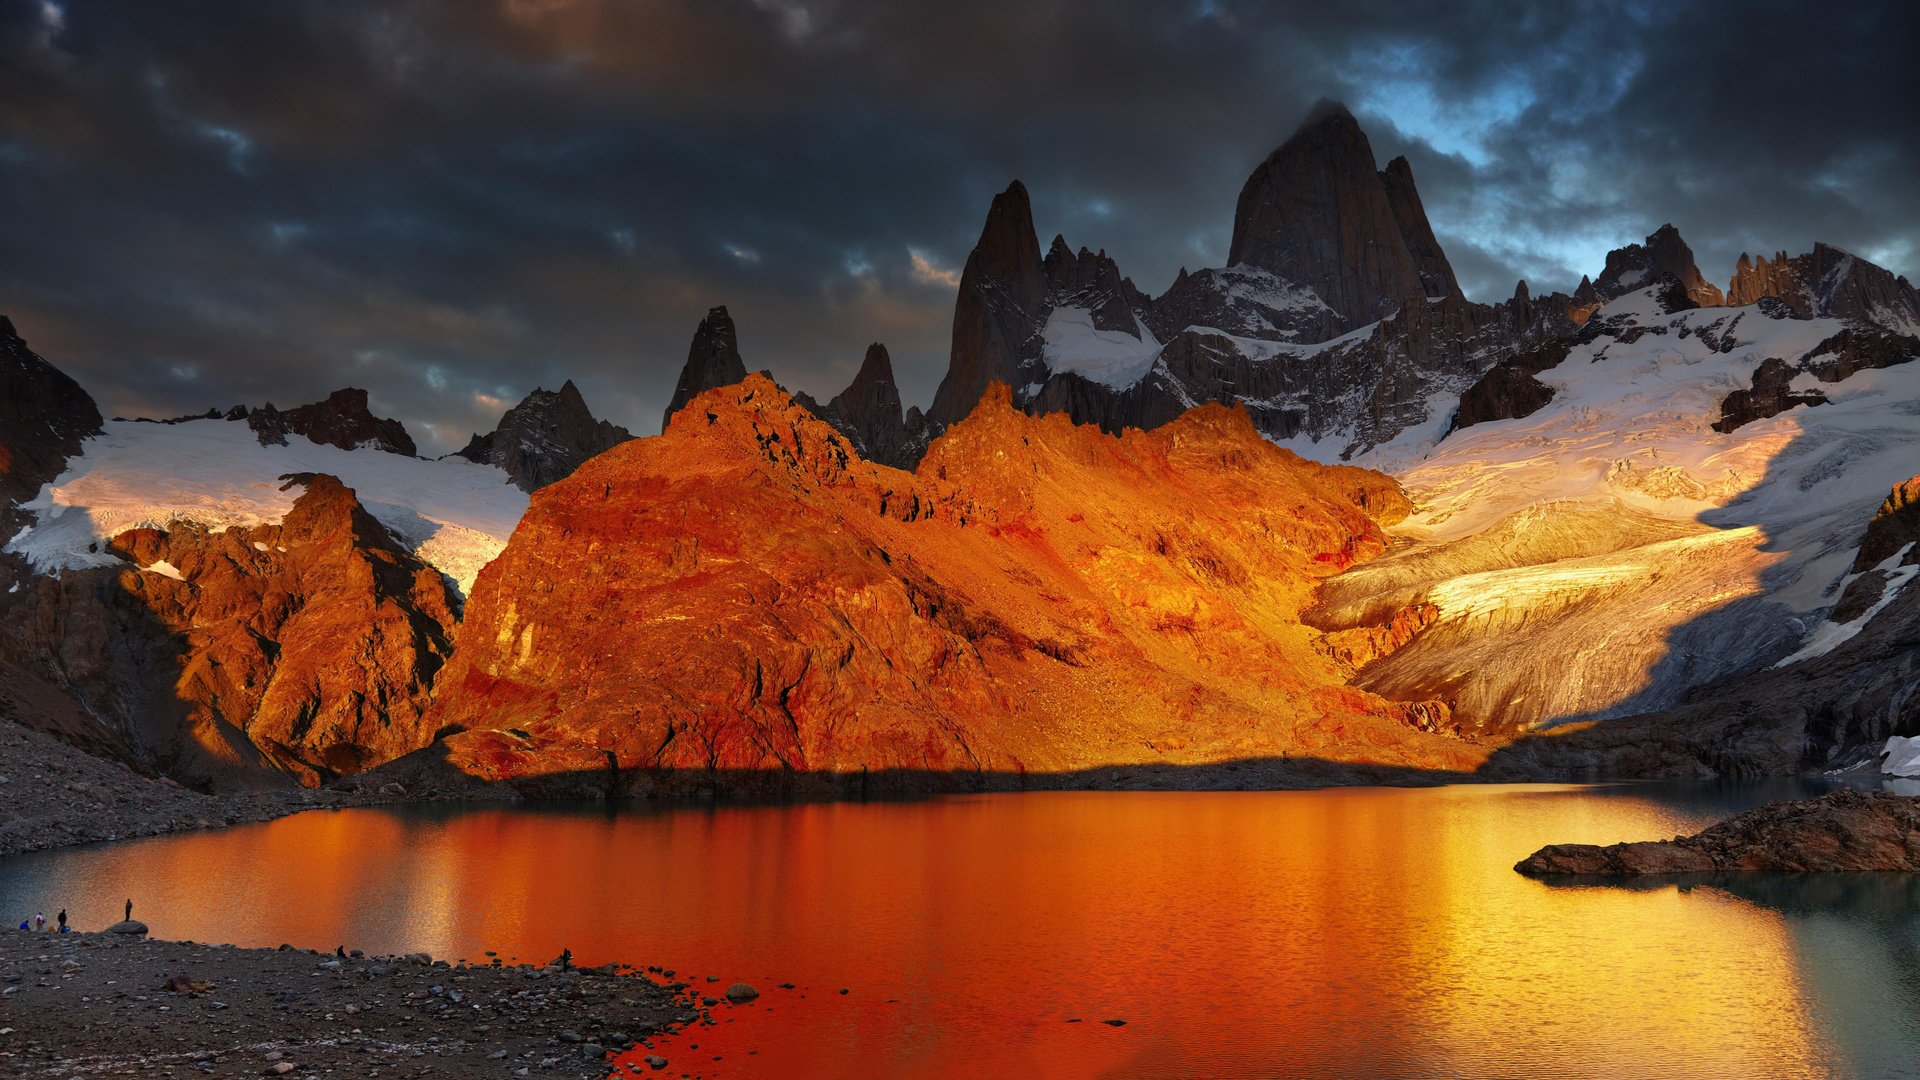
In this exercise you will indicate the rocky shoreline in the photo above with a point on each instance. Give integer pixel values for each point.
(53, 795)
(120, 1004)
(1842, 830)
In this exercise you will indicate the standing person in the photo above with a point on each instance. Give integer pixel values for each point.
(62, 917)
(129, 909)
(39, 920)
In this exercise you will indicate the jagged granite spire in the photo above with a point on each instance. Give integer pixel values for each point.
(1436, 273)
(712, 360)
(999, 312)
(1316, 213)
(544, 438)
(1637, 266)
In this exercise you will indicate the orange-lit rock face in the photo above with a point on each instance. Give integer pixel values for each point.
(309, 646)
(742, 593)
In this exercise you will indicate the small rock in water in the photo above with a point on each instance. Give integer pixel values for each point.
(656, 1061)
(1114, 1023)
(740, 992)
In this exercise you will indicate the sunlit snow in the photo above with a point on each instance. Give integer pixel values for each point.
(454, 514)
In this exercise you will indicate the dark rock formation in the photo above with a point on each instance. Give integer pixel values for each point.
(712, 360)
(342, 420)
(1828, 281)
(1091, 281)
(1411, 219)
(1509, 389)
(868, 413)
(1770, 394)
(999, 312)
(1316, 213)
(1637, 266)
(1839, 831)
(545, 438)
(1856, 348)
(43, 416)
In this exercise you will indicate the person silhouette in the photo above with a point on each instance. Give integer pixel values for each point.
(129, 909)
(39, 920)
(62, 918)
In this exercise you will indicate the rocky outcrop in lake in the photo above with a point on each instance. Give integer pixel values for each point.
(1840, 831)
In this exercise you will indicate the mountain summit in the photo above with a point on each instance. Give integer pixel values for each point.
(1318, 214)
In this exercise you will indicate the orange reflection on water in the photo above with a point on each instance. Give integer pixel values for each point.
(1242, 934)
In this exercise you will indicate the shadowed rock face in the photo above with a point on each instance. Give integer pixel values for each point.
(544, 438)
(712, 360)
(342, 420)
(240, 658)
(744, 601)
(999, 311)
(1318, 214)
(1828, 281)
(1841, 831)
(43, 416)
(1638, 265)
(868, 412)
(1410, 217)
(1323, 244)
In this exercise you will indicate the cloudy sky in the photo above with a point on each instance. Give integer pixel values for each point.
(451, 202)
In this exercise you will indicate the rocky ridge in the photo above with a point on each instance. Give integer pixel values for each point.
(713, 359)
(343, 420)
(239, 658)
(44, 415)
(1843, 831)
(772, 612)
(544, 438)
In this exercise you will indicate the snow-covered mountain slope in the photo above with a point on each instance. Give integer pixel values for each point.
(1606, 553)
(454, 514)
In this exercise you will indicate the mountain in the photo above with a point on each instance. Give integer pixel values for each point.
(1828, 281)
(44, 416)
(1338, 323)
(239, 657)
(544, 438)
(712, 360)
(1637, 266)
(868, 413)
(1316, 214)
(342, 420)
(999, 312)
(744, 602)
(1612, 550)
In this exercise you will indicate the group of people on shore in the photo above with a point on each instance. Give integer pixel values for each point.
(39, 920)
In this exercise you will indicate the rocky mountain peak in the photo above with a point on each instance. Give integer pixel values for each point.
(1436, 273)
(1317, 213)
(1637, 266)
(712, 360)
(545, 437)
(868, 412)
(1000, 310)
(343, 420)
(43, 416)
(1828, 281)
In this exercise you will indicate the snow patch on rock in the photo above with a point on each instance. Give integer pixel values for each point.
(455, 515)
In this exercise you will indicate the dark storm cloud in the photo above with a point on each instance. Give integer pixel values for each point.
(452, 202)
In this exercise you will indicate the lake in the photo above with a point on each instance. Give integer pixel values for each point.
(1369, 931)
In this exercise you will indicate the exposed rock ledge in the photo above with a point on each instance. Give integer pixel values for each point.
(1842, 830)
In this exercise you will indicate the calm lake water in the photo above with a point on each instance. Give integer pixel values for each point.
(1357, 932)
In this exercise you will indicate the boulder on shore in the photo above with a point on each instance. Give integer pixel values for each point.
(1839, 831)
(130, 926)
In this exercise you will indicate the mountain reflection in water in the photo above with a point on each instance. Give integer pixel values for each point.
(1377, 931)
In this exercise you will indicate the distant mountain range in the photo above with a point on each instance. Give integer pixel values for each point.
(1653, 527)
